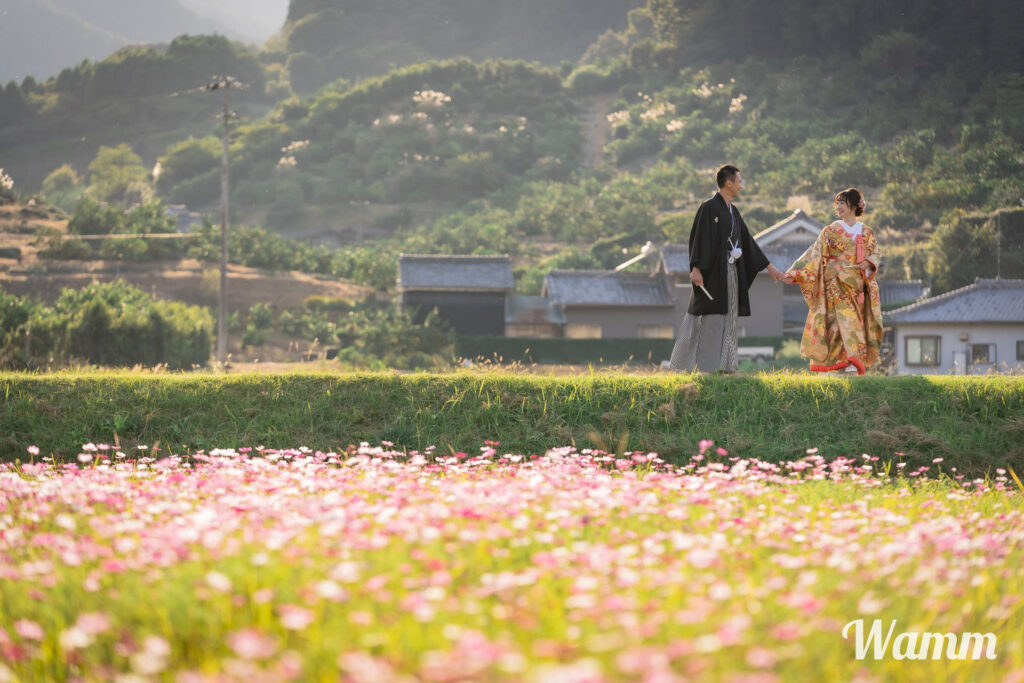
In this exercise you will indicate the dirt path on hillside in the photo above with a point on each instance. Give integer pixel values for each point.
(597, 130)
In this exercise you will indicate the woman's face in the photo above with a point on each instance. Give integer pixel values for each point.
(844, 211)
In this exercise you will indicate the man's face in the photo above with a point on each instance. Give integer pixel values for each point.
(735, 185)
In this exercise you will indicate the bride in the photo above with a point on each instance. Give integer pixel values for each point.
(837, 278)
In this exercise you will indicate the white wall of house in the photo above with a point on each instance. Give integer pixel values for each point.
(765, 308)
(619, 322)
(960, 347)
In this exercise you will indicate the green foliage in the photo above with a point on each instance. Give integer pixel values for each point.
(972, 422)
(111, 324)
(116, 174)
(90, 217)
(188, 60)
(63, 187)
(964, 248)
(149, 218)
(924, 129)
(66, 248)
(326, 39)
(187, 159)
(257, 325)
(15, 312)
(124, 249)
(374, 266)
(379, 336)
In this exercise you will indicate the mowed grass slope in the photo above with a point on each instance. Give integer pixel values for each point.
(973, 423)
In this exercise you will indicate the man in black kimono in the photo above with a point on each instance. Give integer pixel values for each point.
(724, 259)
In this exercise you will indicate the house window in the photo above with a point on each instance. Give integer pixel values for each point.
(923, 350)
(1020, 349)
(582, 331)
(983, 353)
(656, 332)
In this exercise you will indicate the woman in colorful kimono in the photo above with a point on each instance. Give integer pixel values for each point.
(837, 278)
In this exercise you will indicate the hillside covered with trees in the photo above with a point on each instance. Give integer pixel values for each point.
(41, 37)
(328, 39)
(567, 165)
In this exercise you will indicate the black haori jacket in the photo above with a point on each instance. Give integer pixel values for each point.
(709, 251)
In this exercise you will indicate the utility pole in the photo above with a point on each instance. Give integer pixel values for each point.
(225, 84)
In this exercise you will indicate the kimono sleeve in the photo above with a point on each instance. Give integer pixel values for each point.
(806, 270)
(701, 240)
(871, 254)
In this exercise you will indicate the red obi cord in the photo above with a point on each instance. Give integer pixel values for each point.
(854, 361)
(815, 367)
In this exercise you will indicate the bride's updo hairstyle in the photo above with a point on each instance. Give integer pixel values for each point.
(852, 198)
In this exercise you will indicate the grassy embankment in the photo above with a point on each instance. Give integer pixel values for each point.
(975, 424)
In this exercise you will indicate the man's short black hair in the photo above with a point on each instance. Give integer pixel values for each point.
(725, 174)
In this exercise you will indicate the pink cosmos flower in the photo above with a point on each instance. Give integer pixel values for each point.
(29, 630)
(93, 623)
(295, 618)
(251, 644)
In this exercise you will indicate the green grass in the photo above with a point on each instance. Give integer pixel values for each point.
(974, 423)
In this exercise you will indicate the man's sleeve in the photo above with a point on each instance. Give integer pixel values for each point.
(700, 240)
(752, 254)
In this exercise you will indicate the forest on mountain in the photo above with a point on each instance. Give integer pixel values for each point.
(566, 164)
(41, 37)
(329, 39)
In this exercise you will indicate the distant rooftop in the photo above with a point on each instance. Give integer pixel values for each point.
(606, 288)
(985, 301)
(900, 291)
(799, 217)
(435, 272)
(532, 310)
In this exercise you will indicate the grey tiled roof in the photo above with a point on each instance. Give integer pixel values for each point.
(606, 288)
(900, 291)
(488, 273)
(532, 310)
(676, 257)
(985, 301)
(798, 215)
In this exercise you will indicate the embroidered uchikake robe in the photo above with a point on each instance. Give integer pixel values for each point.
(844, 316)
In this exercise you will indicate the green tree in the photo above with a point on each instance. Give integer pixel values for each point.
(90, 217)
(961, 250)
(151, 217)
(63, 187)
(116, 173)
(187, 159)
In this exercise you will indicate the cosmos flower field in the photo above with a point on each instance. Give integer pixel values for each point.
(374, 564)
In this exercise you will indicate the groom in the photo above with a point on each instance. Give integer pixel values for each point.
(724, 259)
